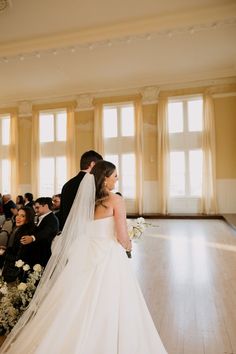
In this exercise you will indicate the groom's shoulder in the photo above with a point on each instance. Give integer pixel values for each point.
(73, 181)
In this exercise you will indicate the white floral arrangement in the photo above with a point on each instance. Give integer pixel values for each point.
(136, 227)
(15, 297)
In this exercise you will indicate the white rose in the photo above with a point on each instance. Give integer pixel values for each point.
(26, 267)
(37, 268)
(19, 263)
(140, 220)
(4, 290)
(22, 287)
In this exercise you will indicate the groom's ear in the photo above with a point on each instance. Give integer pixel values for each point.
(91, 165)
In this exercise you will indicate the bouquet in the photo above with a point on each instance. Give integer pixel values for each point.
(136, 228)
(15, 297)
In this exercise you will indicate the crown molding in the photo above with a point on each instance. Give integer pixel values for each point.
(200, 19)
(150, 94)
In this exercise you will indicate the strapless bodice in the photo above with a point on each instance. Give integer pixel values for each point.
(103, 228)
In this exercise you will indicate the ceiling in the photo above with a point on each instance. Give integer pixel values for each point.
(57, 48)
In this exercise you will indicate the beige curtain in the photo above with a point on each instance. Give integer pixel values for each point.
(71, 144)
(98, 128)
(35, 154)
(13, 155)
(208, 203)
(139, 153)
(163, 153)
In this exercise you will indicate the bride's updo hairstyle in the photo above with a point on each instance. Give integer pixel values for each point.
(101, 170)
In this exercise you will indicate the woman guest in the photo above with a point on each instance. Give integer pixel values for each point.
(19, 201)
(24, 225)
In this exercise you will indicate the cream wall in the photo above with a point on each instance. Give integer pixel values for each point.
(225, 117)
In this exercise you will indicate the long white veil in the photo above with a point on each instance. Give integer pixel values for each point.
(75, 230)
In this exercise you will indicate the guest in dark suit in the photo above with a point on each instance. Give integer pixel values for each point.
(29, 200)
(69, 190)
(44, 233)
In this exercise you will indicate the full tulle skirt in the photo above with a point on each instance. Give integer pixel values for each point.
(99, 311)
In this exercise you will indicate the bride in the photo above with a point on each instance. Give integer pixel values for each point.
(88, 300)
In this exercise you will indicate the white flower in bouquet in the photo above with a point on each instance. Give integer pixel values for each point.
(22, 287)
(26, 267)
(4, 289)
(19, 263)
(37, 268)
(136, 227)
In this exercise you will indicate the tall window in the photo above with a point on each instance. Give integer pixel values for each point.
(5, 165)
(185, 119)
(119, 145)
(52, 138)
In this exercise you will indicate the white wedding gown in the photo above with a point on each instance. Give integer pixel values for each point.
(103, 313)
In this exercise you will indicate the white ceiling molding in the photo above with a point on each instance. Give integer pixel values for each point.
(144, 29)
(149, 95)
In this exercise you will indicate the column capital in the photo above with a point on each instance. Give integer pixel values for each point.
(25, 109)
(150, 94)
(84, 103)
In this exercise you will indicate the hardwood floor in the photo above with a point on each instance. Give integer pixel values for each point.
(187, 272)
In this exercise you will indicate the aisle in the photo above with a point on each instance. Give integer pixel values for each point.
(187, 271)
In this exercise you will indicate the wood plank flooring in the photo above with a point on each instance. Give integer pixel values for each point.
(187, 272)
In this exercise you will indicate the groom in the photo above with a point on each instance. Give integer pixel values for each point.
(69, 190)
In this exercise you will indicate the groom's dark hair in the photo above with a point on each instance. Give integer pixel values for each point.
(88, 157)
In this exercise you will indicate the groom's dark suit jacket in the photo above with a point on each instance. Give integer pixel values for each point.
(68, 194)
(39, 251)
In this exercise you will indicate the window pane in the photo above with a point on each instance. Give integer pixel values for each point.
(6, 176)
(195, 113)
(61, 119)
(46, 128)
(61, 174)
(195, 163)
(114, 159)
(128, 174)
(6, 131)
(175, 117)
(177, 173)
(127, 121)
(110, 122)
(46, 177)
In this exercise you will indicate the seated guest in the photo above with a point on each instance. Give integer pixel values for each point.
(24, 224)
(9, 207)
(19, 201)
(56, 203)
(29, 200)
(41, 239)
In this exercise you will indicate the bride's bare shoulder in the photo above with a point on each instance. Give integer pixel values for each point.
(115, 198)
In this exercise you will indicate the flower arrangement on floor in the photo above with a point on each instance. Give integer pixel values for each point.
(15, 297)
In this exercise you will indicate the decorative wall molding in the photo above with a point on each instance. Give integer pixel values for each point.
(150, 94)
(25, 109)
(4, 5)
(84, 103)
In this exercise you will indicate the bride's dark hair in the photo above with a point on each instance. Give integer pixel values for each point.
(101, 170)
